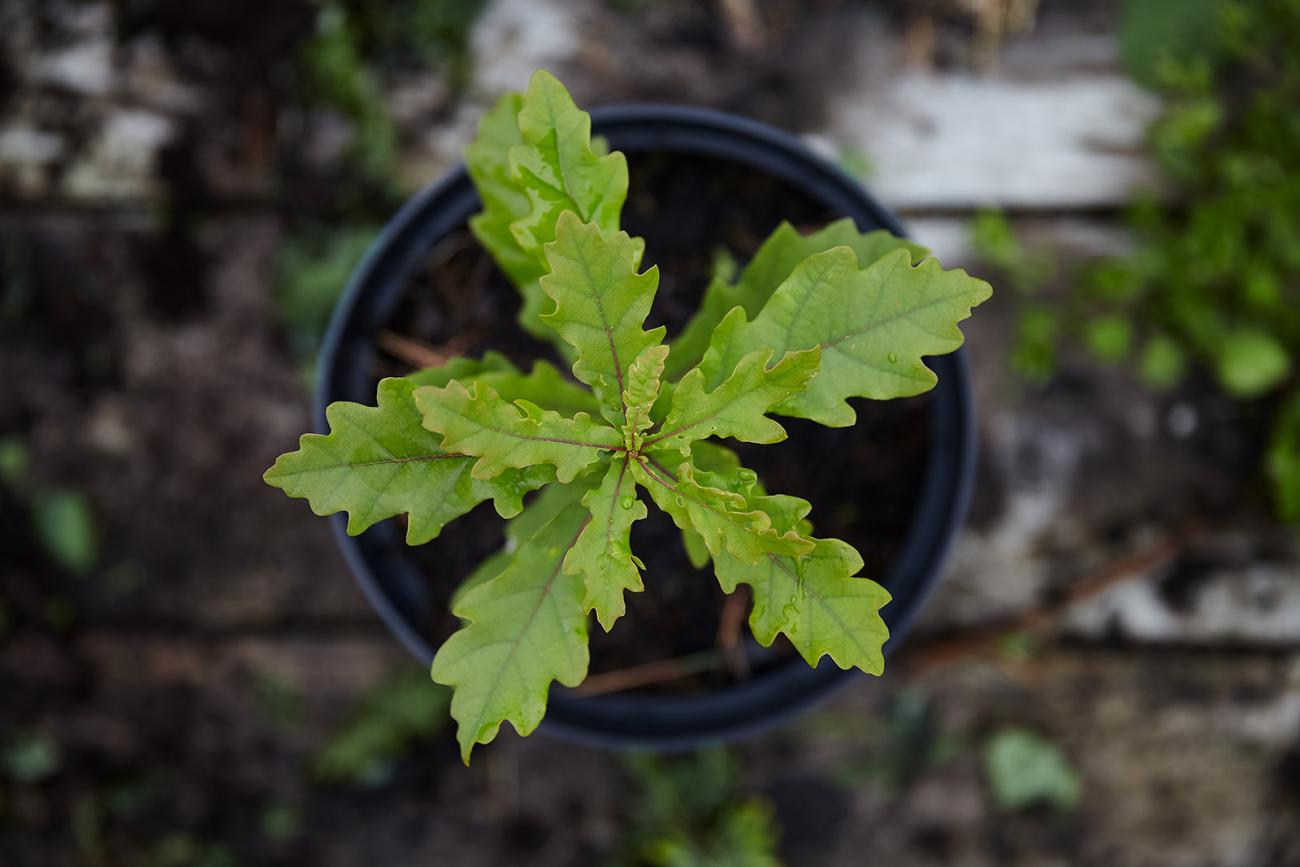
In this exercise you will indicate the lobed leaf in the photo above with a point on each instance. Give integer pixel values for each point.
(558, 169)
(525, 628)
(603, 554)
(503, 435)
(379, 461)
(814, 599)
(723, 519)
(816, 602)
(601, 303)
(738, 407)
(533, 159)
(771, 266)
(873, 326)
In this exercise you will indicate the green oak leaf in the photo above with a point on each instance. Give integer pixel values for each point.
(503, 435)
(558, 169)
(873, 325)
(738, 407)
(817, 603)
(785, 248)
(525, 627)
(603, 553)
(533, 159)
(601, 303)
(379, 461)
(723, 519)
(814, 599)
(772, 264)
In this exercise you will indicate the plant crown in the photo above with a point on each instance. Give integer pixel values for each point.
(811, 321)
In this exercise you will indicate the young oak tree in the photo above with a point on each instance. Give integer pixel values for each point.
(810, 322)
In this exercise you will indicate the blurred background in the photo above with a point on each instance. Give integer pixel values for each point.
(1110, 671)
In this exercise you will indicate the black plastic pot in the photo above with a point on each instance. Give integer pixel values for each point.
(397, 588)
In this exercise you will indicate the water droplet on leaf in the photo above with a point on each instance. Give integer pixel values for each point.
(627, 502)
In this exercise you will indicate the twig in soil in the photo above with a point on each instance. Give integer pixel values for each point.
(643, 675)
(729, 626)
(414, 352)
(1043, 619)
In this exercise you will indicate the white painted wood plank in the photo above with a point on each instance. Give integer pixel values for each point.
(940, 141)
(1258, 604)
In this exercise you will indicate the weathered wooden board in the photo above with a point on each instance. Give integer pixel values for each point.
(945, 142)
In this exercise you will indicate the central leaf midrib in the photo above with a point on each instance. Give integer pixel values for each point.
(889, 320)
(346, 465)
(604, 322)
(515, 435)
(609, 520)
(559, 155)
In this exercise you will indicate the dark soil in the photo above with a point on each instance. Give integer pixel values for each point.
(862, 481)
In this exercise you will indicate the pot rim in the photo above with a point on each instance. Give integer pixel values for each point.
(657, 721)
